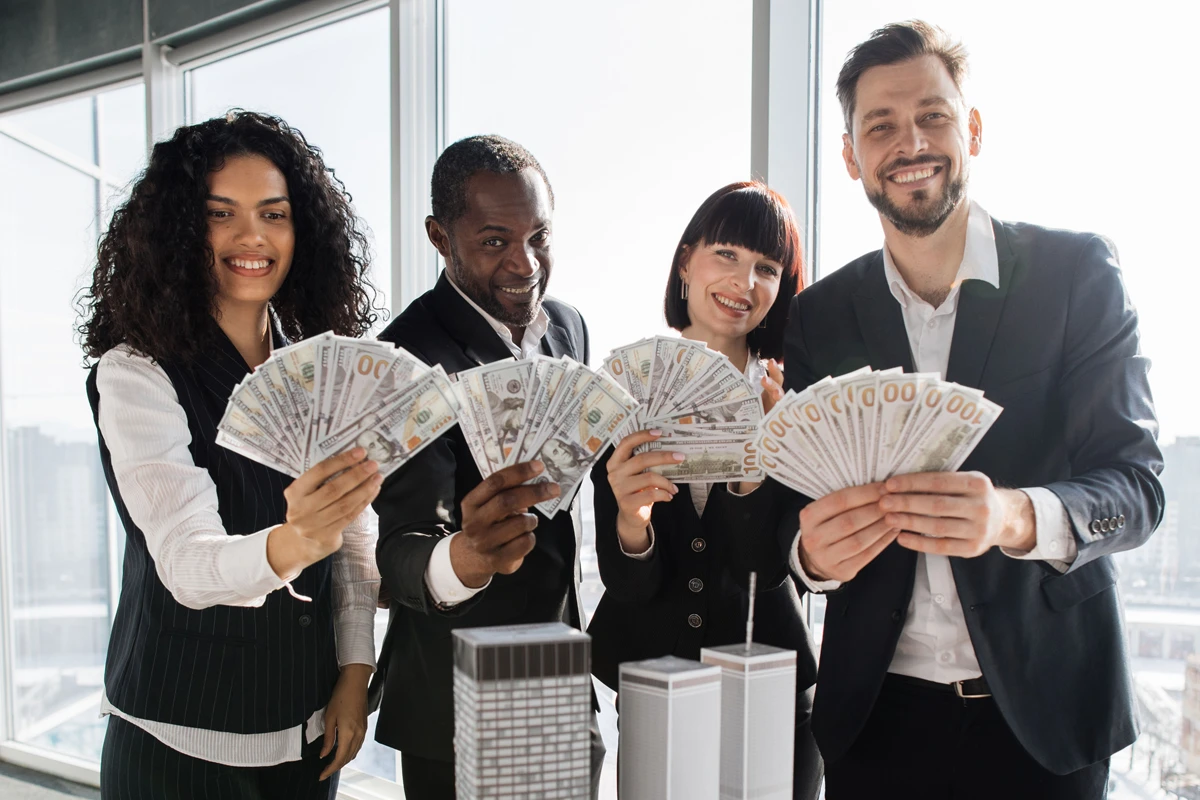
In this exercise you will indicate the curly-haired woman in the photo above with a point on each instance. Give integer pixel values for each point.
(243, 640)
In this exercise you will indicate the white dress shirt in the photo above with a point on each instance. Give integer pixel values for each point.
(440, 578)
(174, 503)
(934, 642)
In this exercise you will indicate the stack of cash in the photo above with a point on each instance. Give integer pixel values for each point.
(328, 394)
(705, 407)
(556, 411)
(867, 426)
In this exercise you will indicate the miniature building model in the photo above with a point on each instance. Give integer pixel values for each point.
(758, 720)
(670, 730)
(522, 712)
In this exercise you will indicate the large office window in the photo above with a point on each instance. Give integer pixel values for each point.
(62, 167)
(635, 121)
(1080, 112)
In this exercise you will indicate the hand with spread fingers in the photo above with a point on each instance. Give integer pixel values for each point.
(636, 489)
(843, 532)
(320, 504)
(346, 717)
(497, 525)
(958, 514)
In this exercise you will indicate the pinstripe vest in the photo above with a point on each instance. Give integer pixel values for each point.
(239, 670)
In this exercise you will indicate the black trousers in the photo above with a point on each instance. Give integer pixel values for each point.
(429, 779)
(921, 742)
(136, 766)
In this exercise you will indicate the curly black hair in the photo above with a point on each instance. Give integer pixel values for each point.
(458, 162)
(154, 286)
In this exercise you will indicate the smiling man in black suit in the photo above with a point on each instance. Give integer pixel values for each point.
(456, 550)
(973, 643)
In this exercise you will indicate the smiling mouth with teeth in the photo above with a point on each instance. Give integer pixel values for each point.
(730, 303)
(243, 263)
(916, 175)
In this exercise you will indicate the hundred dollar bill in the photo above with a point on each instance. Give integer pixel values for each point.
(896, 397)
(505, 390)
(550, 383)
(784, 440)
(630, 366)
(837, 416)
(807, 413)
(709, 460)
(585, 430)
(693, 366)
(405, 369)
(477, 422)
(366, 364)
(953, 428)
(403, 428)
(239, 433)
(246, 398)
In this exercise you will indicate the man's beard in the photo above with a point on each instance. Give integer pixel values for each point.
(520, 317)
(928, 215)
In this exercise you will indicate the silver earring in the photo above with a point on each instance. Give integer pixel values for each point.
(683, 290)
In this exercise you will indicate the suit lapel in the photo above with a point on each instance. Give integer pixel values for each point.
(465, 325)
(980, 306)
(881, 321)
(557, 341)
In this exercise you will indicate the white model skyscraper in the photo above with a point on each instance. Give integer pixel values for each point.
(758, 720)
(670, 730)
(522, 712)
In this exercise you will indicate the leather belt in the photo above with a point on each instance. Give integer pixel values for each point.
(973, 689)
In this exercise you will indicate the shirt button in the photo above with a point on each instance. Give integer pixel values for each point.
(698, 545)
(695, 621)
(932, 323)
(944, 657)
(696, 585)
(939, 598)
(305, 620)
(896, 616)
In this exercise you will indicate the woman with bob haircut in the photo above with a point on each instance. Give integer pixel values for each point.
(244, 636)
(676, 559)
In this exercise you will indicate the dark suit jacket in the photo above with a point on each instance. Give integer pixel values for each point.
(1057, 346)
(420, 503)
(699, 568)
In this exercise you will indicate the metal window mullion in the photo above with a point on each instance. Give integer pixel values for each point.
(418, 131)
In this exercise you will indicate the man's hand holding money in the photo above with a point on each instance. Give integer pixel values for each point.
(958, 514)
(843, 532)
(497, 529)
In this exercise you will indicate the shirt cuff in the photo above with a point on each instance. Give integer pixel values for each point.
(645, 554)
(442, 581)
(814, 586)
(354, 630)
(242, 563)
(1055, 542)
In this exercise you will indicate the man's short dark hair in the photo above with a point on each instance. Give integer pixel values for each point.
(893, 44)
(464, 158)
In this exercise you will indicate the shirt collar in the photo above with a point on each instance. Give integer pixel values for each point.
(980, 261)
(534, 331)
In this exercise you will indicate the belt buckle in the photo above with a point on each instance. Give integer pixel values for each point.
(958, 690)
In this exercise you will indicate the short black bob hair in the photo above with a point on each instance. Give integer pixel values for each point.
(747, 214)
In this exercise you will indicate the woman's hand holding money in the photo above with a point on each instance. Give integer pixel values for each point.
(321, 503)
(772, 384)
(497, 530)
(843, 532)
(637, 490)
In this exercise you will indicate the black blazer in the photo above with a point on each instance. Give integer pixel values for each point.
(420, 503)
(693, 590)
(1057, 346)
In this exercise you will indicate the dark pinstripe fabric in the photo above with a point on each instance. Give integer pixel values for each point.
(136, 766)
(239, 670)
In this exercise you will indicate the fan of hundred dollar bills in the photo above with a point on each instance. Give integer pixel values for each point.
(328, 394)
(553, 410)
(867, 426)
(705, 407)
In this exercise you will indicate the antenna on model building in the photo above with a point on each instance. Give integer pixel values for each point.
(750, 613)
